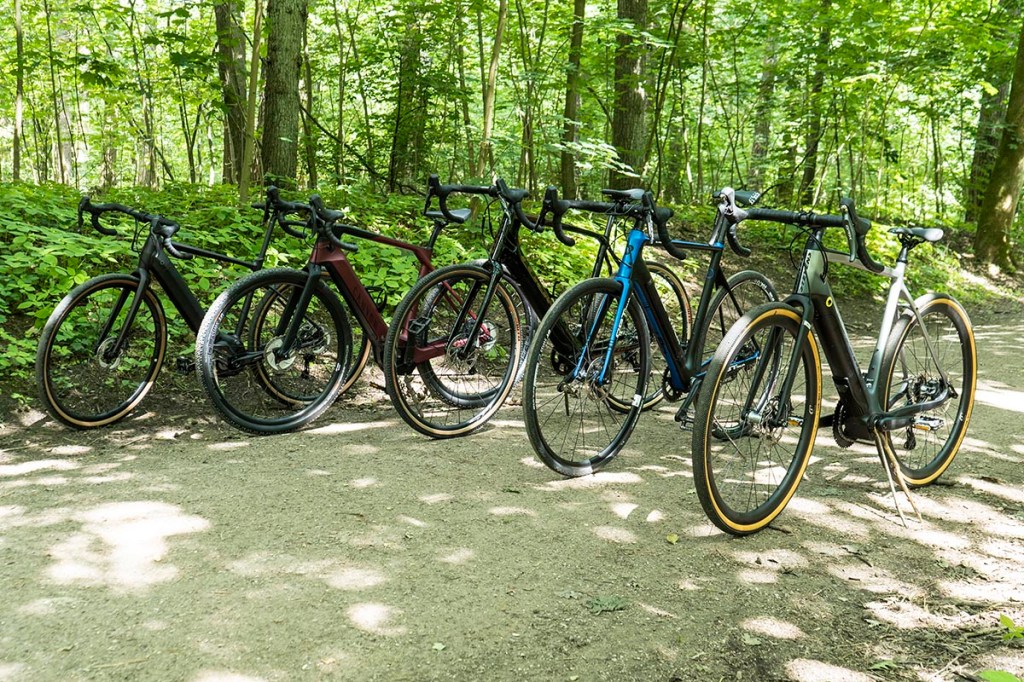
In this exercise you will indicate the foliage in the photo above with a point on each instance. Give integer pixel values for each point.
(1013, 631)
(606, 604)
(998, 676)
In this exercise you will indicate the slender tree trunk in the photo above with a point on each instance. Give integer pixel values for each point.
(53, 95)
(998, 208)
(763, 118)
(231, 67)
(571, 112)
(467, 122)
(409, 117)
(286, 21)
(309, 131)
(485, 158)
(19, 95)
(339, 150)
(248, 149)
(814, 131)
(705, 49)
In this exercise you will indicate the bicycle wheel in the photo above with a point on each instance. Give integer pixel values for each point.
(677, 304)
(751, 443)
(745, 290)
(570, 419)
(82, 382)
(255, 382)
(359, 357)
(910, 375)
(444, 377)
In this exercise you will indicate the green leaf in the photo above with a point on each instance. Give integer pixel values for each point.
(998, 676)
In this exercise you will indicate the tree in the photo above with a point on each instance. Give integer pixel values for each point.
(992, 240)
(570, 125)
(231, 68)
(286, 22)
(630, 108)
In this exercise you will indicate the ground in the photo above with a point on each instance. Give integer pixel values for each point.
(171, 547)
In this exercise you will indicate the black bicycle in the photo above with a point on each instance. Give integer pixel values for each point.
(103, 345)
(760, 407)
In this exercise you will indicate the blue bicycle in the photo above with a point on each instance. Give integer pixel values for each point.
(588, 364)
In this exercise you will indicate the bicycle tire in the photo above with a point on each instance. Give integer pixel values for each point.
(436, 385)
(743, 291)
(109, 391)
(557, 349)
(908, 373)
(741, 422)
(237, 361)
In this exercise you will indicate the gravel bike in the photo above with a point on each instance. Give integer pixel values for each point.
(760, 408)
(589, 363)
(103, 346)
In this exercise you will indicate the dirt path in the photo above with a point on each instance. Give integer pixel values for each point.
(173, 548)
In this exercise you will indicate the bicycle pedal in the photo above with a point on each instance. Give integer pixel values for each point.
(417, 326)
(185, 365)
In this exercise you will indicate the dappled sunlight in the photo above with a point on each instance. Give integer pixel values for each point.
(44, 481)
(532, 462)
(808, 670)
(312, 473)
(1007, 492)
(1012, 661)
(361, 483)
(225, 676)
(615, 535)
(8, 470)
(704, 530)
(623, 509)
(906, 615)
(597, 480)
(757, 576)
(772, 627)
(655, 516)
(229, 445)
(46, 606)
(823, 516)
(339, 428)
(511, 511)
(410, 521)
(508, 423)
(655, 611)
(70, 450)
(1010, 590)
(1004, 399)
(376, 619)
(435, 498)
(122, 545)
(966, 511)
(335, 573)
(458, 557)
(11, 671)
(872, 578)
(30, 417)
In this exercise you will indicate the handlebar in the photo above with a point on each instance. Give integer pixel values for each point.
(282, 209)
(163, 228)
(621, 206)
(511, 197)
(328, 222)
(856, 227)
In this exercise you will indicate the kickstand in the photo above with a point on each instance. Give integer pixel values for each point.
(892, 470)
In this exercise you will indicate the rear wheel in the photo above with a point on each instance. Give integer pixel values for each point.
(910, 375)
(745, 290)
(254, 377)
(574, 388)
(453, 351)
(752, 438)
(85, 378)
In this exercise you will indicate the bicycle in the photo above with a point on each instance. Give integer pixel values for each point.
(588, 364)
(755, 428)
(451, 378)
(103, 345)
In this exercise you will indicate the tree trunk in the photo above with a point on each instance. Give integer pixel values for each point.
(630, 109)
(814, 132)
(409, 118)
(763, 118)
(986, 141)
(485, 158)
(286, 22)
(53, 95)
(992, 239)
(309, 132)
(571, 112)
(19, 96)
(231, 67)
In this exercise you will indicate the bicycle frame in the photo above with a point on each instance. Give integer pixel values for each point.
(864, 392)
(684, 364)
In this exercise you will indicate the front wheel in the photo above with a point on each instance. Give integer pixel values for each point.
(86, 377)
(258, 378)
(581, 370)
(452, 351)
(756, 419)
(910, 374)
